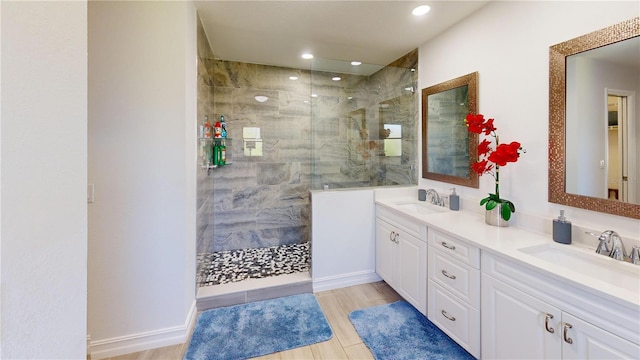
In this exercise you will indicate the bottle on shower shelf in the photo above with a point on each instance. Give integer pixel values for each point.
(223, 154)
(207, 130)
(223, 125)
(217, 130)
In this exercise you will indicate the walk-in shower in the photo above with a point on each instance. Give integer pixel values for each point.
(363, 124)
(291, 131)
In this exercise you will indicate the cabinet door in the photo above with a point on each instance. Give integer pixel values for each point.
(412, 266)
(385, 250)
(582, 340)
(516, 325)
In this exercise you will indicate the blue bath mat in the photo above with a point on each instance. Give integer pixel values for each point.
(398, 331)
(258, 328)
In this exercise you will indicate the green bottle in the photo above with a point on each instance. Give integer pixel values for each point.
(217, 154)
(223, 154)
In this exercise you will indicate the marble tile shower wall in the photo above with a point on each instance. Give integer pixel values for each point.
(397, 103)
(262, 201)
(348, 127)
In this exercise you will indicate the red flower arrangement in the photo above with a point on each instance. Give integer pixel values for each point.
(490, 159)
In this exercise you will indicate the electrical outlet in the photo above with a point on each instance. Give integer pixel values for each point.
(90, 193)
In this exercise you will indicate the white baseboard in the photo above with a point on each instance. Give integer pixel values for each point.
(344, 280)
(101, 349)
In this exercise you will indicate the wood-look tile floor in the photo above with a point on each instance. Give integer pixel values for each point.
(336, 304)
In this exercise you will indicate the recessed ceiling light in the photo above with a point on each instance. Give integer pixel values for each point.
(356, 63)
(336, 78)
(307, 56)
(293, 78)
(421, 10)
(314, 95)
(261, 98)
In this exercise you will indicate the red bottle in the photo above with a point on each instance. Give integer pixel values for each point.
(217, 130)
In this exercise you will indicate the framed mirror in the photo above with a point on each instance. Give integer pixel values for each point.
(594, 121)
(448, 149)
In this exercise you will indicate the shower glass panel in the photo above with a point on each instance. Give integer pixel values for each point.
(364, 128)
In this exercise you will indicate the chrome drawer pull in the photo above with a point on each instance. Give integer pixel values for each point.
(546, 323)
(392, 236)
(445, 273)
(566, 328)
(450, 247)
(444, 313)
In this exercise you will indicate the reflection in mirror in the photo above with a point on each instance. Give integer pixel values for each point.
(594, 121)
(448, 149)
(602, 92)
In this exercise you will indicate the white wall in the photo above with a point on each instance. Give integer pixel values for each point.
(342, 238)
(142, 142)
(507, 42)
(44, 175)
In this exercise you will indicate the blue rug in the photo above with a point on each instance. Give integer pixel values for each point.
(398, 331)
(258, 328)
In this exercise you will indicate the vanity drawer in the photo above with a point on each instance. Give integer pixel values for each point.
(414, 228)
(459, 278)
(455, 247)
(456, 318)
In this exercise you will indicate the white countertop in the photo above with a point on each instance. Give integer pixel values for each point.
(506, 242)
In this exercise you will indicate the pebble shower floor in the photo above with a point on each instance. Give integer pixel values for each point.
(236, 265)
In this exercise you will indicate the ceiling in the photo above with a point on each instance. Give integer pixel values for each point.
(278, 32)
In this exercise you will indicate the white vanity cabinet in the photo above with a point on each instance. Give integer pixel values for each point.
(401, 256)
(454, 289)
(529, 315)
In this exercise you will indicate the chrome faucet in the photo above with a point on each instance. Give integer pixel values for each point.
(635, 255)
(617, 250)
(435, 198)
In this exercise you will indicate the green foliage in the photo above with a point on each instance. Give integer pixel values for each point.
(506, 206)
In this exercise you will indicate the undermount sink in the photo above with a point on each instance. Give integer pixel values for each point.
(421, 207)
(599, 267)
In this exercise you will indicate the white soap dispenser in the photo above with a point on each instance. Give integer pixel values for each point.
(454, 200)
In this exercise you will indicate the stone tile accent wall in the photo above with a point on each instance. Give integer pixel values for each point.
(263, 201)
(347, 127)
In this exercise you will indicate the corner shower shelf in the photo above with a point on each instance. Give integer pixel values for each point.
(204, 142)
